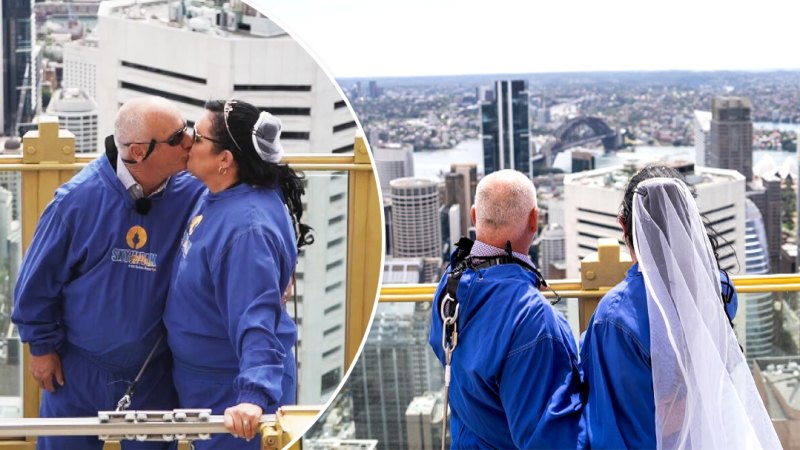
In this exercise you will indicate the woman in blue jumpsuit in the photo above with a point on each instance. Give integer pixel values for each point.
(615, 352)
(228, 329)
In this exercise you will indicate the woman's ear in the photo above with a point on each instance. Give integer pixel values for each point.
(226, 158)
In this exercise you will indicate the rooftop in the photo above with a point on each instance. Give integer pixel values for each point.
(617, 177)
(197, 17)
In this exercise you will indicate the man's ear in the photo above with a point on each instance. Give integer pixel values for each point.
(533, 219)
(136, 152)
(473, 216)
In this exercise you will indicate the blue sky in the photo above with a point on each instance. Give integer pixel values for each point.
(373, 38)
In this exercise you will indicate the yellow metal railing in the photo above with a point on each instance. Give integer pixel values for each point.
(600, 272)
(571, 288)
(48, 160)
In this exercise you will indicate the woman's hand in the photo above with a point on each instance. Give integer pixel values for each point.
(243, 419)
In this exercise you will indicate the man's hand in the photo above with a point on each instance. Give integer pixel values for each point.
(44, 368)
(243, 419)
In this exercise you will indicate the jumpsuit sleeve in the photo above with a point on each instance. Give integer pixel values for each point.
(540, 392)
(619, 375)
(248, 293)
(38, 294)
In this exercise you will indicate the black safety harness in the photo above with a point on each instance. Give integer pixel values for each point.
(448, 306)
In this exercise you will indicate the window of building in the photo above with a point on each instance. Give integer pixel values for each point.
(331, 379)
(332, 351)
(331, 309)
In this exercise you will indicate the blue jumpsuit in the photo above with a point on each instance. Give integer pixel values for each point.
(230, 336)
(92, 288)
(615, 360)
(515, 380)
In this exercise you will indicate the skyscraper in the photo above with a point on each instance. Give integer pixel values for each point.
(758, 317)
(702, 137)
(456, 193)
(77, 112)
(380, 383)
(393, 161)
(765, 192)
(470, 173)
(416, 230)
(731, 135)
(19, 76)
(80, 65)
(506, 129)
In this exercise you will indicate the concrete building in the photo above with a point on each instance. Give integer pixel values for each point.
(731, 135)
(450, 216)
(777, 380)
(80, 65)
(702, 136)
(592, 200)
(456, 193)
(77, 112)
(470, 173)
(416, 230)
(424, 421)
(249, 58)
(393, 161)
(552, 251)
(506, 128)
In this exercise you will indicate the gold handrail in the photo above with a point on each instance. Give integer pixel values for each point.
(570, 288)
(316, 162)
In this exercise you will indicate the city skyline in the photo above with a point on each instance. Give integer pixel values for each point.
(446, 37)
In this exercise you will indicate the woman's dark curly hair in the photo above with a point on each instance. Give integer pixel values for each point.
(252, 169)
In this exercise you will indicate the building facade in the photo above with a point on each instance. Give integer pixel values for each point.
(77, 112)
(506, 129)
(731, 135)
(393, 161)
(80, 65)
(416, 230)
(19, 76)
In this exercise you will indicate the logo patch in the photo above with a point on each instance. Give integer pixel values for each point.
(136, 238)
(186, 244)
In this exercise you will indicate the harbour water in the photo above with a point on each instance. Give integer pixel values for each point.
(432, 163)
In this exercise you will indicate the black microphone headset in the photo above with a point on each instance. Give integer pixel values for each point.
(143, 204)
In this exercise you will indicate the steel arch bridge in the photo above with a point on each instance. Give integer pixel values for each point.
(580, 131)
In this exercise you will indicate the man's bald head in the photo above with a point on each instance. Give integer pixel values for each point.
(150, 133)
(138, 116)
(504, 204)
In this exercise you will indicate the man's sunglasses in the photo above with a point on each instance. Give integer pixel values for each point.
(174, 139)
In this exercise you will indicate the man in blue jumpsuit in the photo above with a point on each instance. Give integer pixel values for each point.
(515, 380)
(93, 284)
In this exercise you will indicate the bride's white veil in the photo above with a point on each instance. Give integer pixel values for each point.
(705, 395)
